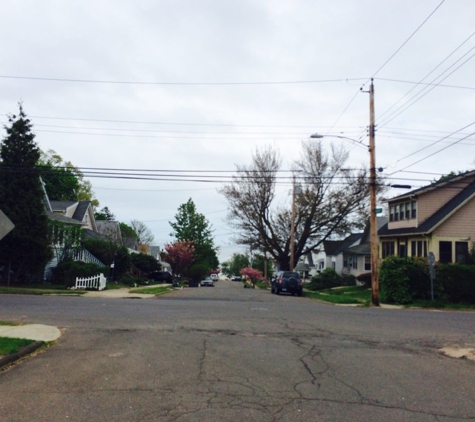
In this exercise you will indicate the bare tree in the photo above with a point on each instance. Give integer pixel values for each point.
(144, 234)
(330, 201)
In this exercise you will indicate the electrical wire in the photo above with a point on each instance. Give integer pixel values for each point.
(110, 82)
(427, 75)
(423, 92)
(407, 40)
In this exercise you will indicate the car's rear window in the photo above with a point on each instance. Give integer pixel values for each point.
(291, 274)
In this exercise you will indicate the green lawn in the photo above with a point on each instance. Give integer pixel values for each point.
(154, 290)
(12, 345)
(47, 290)
(351, 295)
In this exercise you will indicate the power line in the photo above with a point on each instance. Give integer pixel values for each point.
(415, 98)
(310, 127)
(407, 40)
(425, 83)
(110, 82)
(427, 75)
(440, 150)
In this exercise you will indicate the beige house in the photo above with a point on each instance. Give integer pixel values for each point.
(438, 218)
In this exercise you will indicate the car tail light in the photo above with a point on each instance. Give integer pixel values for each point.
(280, 280)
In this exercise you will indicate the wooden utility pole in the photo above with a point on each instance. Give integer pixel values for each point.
(292, 228)
(372, 190)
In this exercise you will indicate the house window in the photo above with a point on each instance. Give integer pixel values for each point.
(387, 249)
(367, 263)
(445, 252)
(461, 252)
(413, 209)
(334, 265)
(391, 213)
(396, 213)
(402, 250)
(345, 261)
(401, 212)
(419, 248)
(408, 210)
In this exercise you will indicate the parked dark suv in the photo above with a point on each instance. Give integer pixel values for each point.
(287, 282)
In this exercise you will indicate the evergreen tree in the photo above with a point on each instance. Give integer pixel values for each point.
(192, 226)
(26, 249)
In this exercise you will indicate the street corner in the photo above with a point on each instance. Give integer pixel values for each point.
(37, 332)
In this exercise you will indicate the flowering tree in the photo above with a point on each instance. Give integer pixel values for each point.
(252, 274)
(179, 255)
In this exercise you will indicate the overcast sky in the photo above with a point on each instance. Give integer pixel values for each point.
(201, 84)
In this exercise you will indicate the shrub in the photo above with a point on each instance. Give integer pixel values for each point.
(458, 282)
(132, 281)
(394, 281)
(327, 279)
(145, 263)
(348, 280)
(109, 252)
(67, 271)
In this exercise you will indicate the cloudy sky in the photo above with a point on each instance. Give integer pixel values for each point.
(194, 87)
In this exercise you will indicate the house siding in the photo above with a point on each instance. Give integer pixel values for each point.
(433, 200)
(461, 224)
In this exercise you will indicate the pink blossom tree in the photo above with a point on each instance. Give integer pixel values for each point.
(252, 274)
(179, 255)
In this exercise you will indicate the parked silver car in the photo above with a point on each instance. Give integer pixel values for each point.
(207, 281)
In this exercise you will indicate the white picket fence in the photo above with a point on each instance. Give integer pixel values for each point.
(95, 282)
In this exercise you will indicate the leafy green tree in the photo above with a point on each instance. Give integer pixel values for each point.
(110, 253)
(225, 268)
(237, 262)
(64, 181)
(259, 262)
(105, 214)
(127, 231)
(26, 249)
(191, 226)
(145, 263)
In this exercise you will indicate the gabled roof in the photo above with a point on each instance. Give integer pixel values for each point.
(336, 247)
(63, 219)
(81, 210)
(437, 218)
(433, 186)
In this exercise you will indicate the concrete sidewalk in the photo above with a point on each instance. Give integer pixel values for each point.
(36, 332)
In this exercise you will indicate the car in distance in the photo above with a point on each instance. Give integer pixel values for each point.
(287, 282)
(161, 276)
(214, 277)
(207, 281)
(236, 278)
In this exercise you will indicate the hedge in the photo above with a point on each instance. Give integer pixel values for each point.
(404, 280)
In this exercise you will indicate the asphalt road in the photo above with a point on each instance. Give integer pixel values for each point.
(234, 354)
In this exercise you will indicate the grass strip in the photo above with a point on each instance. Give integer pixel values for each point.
(352, 295)
(38, 291)
(158, 290)
(12, 345)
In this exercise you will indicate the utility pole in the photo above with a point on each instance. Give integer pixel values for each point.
(372, 190)
(292, 228)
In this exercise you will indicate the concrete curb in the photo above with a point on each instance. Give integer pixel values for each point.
(24, 351)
